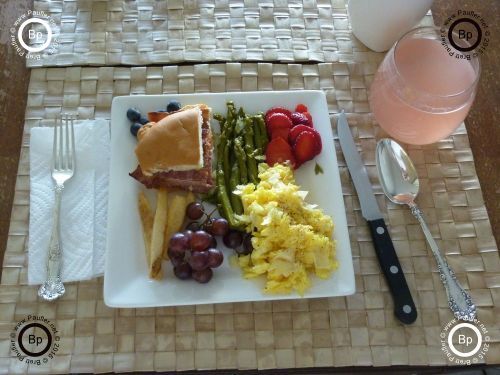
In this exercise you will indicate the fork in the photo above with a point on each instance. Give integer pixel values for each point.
(63, 168)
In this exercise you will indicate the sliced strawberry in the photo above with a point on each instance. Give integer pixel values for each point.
(299, 129)
(309, 117)
(280, 132)
(295, 131)
(273, 110)
(278, 120)
(305, 147)
(299, 118)
(301, 108)
(279, 151)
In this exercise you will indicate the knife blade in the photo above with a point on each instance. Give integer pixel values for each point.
(404, 307)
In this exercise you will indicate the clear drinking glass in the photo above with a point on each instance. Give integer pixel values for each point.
(421, 93)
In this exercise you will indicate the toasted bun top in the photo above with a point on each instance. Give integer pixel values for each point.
(173, 143)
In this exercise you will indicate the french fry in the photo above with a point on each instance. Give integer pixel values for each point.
(160, 220)
(177, 203)
(146, 215)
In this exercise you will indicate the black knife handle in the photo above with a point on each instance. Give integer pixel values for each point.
(404, 308)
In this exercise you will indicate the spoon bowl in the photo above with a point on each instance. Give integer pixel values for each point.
(400, 183)
(398, 175)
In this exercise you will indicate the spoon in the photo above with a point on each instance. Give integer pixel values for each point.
(399, 181)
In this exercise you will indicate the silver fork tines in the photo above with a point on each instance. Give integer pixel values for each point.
(63, 168)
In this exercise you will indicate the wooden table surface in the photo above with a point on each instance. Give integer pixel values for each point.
(483, 122)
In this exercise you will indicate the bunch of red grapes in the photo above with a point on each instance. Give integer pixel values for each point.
(194, 252)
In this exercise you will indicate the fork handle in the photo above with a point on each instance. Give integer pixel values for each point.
(54, 254)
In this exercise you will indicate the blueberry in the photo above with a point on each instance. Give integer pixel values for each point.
(134, 128)
(143, 120)
(173, 105)
(133, 114)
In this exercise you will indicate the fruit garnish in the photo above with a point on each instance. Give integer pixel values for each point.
(273, 110)
(301, 108)
(309, 117)
(279, 151)
(133, 114)
(203, 276)
(297, 130)
(194, 210)
(299, 118)
(134, 128)
(233, 239)
(280, 132)
(278, 120)
(215, 257)
(305, 147)
(173, 105)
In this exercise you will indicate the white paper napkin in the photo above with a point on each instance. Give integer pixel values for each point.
(83, 207)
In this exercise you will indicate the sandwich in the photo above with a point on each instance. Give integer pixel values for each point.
(176, 151)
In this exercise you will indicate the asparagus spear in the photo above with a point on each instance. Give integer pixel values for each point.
(262, 130)
(228, 131)
(233, 182)
(223, 198)
(249, 149)
(241, 158)
(257, 138)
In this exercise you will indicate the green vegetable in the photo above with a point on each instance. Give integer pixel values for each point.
(318, 169)
(262, 131)
(223, 198)
(257, 137)
(233, 183)
(241, 158)
(249, 149)
(242, 143)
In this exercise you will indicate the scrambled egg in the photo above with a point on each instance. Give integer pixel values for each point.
(291, 238)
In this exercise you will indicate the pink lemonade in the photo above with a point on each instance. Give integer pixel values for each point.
(420, 93)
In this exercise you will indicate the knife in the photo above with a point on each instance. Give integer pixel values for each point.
(404, 308)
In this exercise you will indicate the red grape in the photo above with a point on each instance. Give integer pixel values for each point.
(183, 271)
(247, 244)
(233, 239)
(220, 227)
(203, 276)
(194, 210)
(200, 240)
(176, 259)
(188, 233)
(198, 260)
(215, 258)
(178, 245)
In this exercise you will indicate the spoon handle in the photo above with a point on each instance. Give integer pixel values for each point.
(459, 300)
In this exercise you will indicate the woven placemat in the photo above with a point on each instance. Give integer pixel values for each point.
(358, 330)
(147, 32)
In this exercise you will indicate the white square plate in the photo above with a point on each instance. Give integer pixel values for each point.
(126, 282)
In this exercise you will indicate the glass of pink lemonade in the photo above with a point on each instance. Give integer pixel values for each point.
(421, 93)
